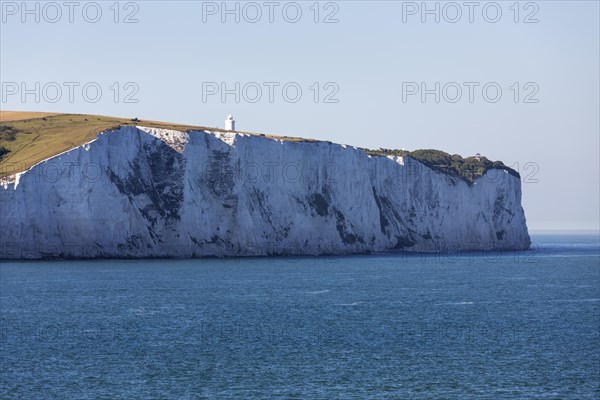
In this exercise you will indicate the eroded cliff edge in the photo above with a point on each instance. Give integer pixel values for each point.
(147, 192)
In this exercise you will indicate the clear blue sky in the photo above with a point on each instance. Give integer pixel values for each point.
(369, 57)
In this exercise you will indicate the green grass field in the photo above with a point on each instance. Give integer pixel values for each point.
(28, 138)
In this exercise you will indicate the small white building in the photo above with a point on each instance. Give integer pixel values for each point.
(230, 123)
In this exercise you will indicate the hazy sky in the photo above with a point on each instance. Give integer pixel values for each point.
(361, 69)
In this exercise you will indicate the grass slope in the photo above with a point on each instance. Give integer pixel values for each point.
(28, 138)
(19, 115)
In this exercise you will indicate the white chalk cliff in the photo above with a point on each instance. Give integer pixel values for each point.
(145, 192)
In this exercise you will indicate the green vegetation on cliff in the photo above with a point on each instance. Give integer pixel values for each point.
(467, 169)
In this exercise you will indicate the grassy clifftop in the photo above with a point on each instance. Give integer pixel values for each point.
(27, 138)
(27, 141)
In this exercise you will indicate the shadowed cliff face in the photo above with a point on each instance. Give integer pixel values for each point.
(142, 192)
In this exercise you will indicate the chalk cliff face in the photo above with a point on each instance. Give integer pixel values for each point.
(144, 192)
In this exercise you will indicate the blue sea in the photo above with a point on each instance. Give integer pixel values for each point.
(514, 325)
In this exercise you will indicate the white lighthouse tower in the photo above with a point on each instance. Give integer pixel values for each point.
(230, 123)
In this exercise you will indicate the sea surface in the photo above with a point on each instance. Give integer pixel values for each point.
(522, 325)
